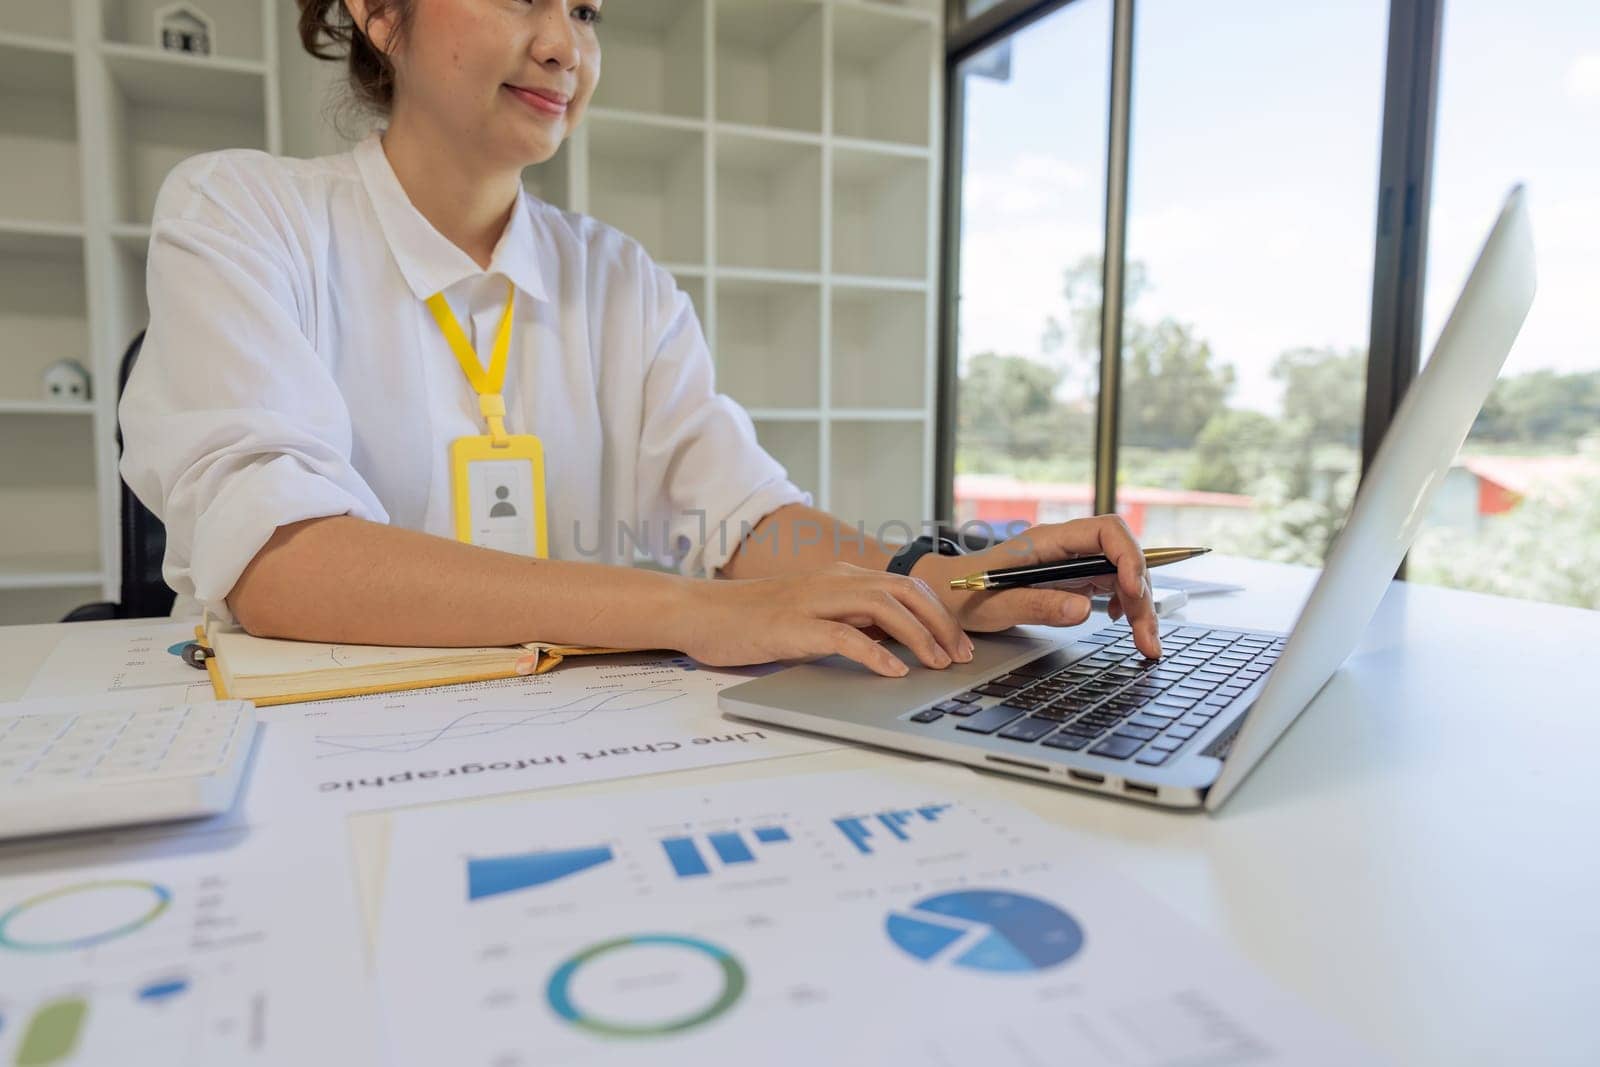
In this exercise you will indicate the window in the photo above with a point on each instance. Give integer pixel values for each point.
(1519, 513)
(1034, 116)
(1253, 166)
(1254, 139)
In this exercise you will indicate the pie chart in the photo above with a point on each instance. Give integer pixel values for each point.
(992, 930)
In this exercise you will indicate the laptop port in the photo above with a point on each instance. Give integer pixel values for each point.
(1086, 776)
(1140, 789)
(1037, 768)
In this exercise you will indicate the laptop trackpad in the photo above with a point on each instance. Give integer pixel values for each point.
(836, 683)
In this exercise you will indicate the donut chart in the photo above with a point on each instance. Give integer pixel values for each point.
(76, 917)
(667, 960)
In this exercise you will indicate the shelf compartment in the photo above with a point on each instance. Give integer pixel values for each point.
(35, 66)
(187, 83)
(551, 181)
(880, 214)
(49, 510)
(47, 24)
(38, 134)
(49, 571)
(929, 11)
(878, 475)
(156, 129)
(43, 407)
(769, 204)
(27, 240)
(882, 76)
(769, 63)
(655, 58)
(797, 445)
(696, 288)
(650, 182)
(769, 343)
(44, 316)
(879, 349)
(237, 25)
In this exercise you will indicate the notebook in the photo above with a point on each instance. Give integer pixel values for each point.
(269, 671)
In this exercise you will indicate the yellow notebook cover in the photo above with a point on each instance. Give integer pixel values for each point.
(270, 671)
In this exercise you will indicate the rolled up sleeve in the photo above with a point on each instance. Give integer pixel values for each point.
(703, 477)
(232, 422)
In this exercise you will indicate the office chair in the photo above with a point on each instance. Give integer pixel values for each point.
(144, 543)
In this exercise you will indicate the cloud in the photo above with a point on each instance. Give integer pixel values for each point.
(1583, 77)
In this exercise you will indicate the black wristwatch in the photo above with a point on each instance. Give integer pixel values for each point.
(908, 556)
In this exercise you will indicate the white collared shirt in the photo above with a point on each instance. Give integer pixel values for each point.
(292, 371)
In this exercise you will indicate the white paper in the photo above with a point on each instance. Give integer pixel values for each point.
(213, 945)
(141, 657)
(563, 932)
(582, 722)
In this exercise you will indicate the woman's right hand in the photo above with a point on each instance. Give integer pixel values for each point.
(802, 616)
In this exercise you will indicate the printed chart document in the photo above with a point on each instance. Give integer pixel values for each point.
(582, 723)
(140, 657)
(183, 949)
(859, 918)
(634, 714)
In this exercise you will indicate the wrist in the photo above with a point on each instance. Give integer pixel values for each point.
(937, 571)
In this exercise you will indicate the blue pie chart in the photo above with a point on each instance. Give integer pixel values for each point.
(991, 930)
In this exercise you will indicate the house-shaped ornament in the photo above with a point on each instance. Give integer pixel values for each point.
(182, 28)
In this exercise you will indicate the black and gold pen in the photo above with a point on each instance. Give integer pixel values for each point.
(1071, 570)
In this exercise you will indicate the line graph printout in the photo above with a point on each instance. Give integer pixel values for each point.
(183, 949)
(737, 923)
(582, 722)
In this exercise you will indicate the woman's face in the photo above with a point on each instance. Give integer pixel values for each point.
(511, 77)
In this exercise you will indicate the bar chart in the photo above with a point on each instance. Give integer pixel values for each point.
(730, 848)
(899, 825)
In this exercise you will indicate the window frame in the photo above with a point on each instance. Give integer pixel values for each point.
(1400, 240)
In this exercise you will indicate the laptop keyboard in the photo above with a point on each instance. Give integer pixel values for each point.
(1114, 702)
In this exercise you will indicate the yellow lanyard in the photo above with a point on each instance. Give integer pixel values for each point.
(487, 384)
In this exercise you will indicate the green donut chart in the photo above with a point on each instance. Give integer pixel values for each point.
(559, 990)
(159, 898)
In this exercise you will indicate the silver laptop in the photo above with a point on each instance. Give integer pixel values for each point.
(1183, 731)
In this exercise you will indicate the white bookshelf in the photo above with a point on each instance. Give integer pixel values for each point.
(99, 114)
(780, 157)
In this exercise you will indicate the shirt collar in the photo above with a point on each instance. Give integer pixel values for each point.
(428, 260)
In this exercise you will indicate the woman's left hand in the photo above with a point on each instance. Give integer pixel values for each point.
(1051, 605)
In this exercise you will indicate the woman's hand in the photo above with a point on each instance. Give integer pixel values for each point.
(732, 622)
(1055, 604)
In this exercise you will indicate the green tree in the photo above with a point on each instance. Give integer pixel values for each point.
(1324, 390)
(1541, 407)
(1171, 381)
(1234, 451)
(1547, 548)
(1008, 410)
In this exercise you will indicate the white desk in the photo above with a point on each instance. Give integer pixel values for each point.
(1419, 857)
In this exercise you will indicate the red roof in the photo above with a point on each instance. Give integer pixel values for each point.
(1007, 487)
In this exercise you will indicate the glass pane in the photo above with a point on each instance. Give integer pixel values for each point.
(1253, 184)
(973, 8)
(1032, 230)
(1519, 100)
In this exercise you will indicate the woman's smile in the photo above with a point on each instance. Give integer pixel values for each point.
(545, 101)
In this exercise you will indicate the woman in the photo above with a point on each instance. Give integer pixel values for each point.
(324, 332)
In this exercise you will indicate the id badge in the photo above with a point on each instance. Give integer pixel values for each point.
(499, 494)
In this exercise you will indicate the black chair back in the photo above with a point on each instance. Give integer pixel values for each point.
(145, 594)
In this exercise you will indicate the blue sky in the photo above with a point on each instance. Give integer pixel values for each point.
(1254, 157)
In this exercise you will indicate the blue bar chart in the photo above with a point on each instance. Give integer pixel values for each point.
(899, 824)
(730, 847)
